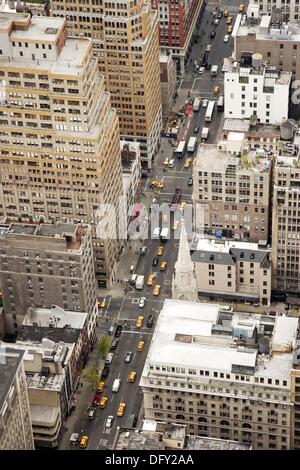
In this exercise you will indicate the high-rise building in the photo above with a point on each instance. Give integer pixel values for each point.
(60, 149)
(234, 191)
(15, 421)
(285, 223)
(125, 40)
(44, 265)
(224, 375)
(177, 22)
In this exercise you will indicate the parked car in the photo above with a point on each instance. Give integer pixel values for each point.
(96, 400)
(118, 331)
(143, 250)
(226, 38)
(150, 321)
(105, 372)
(190, 181)
(114, 344)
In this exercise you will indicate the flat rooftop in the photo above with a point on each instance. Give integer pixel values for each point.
(211, 159)
(9, 363)
(265, 30)
(43, 28)
(208, 443)
(185, 336)
(54, 317)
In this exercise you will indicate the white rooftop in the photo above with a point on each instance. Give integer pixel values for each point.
(208, 244)
(41, 28)
(183, 338)
(56, 317)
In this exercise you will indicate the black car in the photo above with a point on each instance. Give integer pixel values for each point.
(155, 261)
(105, 372)
(118, 331)
(190, 181)
(212, 34)
(150, 321)
(219, 15)
(114, 344)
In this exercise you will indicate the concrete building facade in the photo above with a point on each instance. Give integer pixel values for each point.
(15, 420)
(125, 42)
(59, 137)
(177, 22)
(232, 271)
(168, 80)
(257, 92)
(224, 375)
(233, 191)
(285, 223)
(44, 265)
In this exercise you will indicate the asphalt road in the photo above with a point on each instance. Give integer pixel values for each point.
(126, 309)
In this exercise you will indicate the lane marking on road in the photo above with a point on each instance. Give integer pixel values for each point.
(137, 332)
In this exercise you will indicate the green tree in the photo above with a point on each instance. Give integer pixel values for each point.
(103, 346)
(92, 376)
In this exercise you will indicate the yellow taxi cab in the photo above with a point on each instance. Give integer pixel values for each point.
(103, 402)
(156, 290)
(176, 225)
(182, 206)
(229, 20)
(101, 303)
(216, 90)
(84, 442)
(163, 266)
(121, 409)
(166, 162)
(160, 251)
(151, 279)
(241, 8)
(140, 346)
(226, 13)
(139, 321)
(100, 387)
(157, 184)
(229, 29)
(132, 377)
(187, 163)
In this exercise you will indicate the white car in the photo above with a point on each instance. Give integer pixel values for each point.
(216, 22)
(226, 38)
(208, 47)
(142, 302)
(201, 70)
(204, 103)
(109, 421)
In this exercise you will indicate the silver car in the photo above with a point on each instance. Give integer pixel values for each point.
(204, 103)
(128, 356)
(142, 302)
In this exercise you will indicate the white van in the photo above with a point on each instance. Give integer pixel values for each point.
(171, 163)
(109, 358)
(226, 308)
(156, 233)
(116, 385)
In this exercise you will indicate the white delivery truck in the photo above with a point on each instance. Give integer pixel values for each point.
(196, 104)
(116, 385)
(140, 282)
(214, 71)
(192, 144)
(204, 133)
(164, 236)
(209, 111)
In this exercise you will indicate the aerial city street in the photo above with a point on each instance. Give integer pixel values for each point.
(149, 235)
